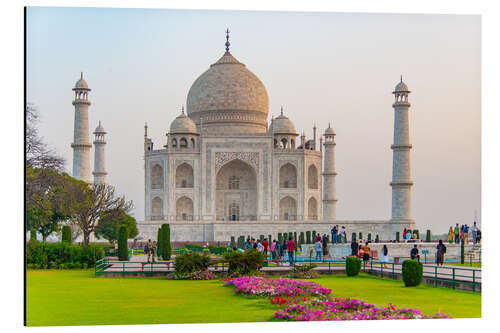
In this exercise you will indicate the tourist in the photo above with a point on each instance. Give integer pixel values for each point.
(325, 244)
(247, 244)
(279, 253)
(366, 252)
(343, 235)
(318, 247)
(149, 246)
(404, 235)
(360, 249)
(273, 250)
(153, 251)
(457, 234)
(259, 246)
(333, 234)
(478, 237)
(318, 237)
(441, 250)
(461, 232)
(385, 253)
(291, 248)
(254, 243)
(466, 234)
(354, 247)
(265, 243)
(474, 232)
(414, 253)
(451, 235)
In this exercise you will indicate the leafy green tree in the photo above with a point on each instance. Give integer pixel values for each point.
(66, 234)
(166, 249)
(109, 225)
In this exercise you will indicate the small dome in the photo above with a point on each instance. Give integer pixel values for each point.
(401, 86)
(282, 125)
(99, 129)
(81, 84)
(183, 125)
(329, 130)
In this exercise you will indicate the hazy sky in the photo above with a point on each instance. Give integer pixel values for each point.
(322, 67)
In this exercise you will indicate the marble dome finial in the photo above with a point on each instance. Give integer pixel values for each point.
(227, 40)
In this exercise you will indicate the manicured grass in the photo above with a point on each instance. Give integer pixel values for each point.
(75, 297)
(465, 264)
(429, 299)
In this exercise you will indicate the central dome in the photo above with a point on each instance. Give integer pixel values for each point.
(228, 99)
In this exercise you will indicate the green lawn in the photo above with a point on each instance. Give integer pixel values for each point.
(465, 264)
(77, 298)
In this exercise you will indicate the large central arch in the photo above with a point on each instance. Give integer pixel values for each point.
(236, 192)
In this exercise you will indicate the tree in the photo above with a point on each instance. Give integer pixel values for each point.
(94, 202)
(38, 154)
(48, 199)
(109, 225)
(122, 244)
(165, 242)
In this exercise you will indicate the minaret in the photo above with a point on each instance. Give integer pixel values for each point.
(401, 182)
(314, 138)
(81, 141)
(99, 157)
(329, 187)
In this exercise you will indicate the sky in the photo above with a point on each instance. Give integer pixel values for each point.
(322, 67)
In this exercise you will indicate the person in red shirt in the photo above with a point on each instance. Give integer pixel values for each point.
(290, 245)
(265, 243)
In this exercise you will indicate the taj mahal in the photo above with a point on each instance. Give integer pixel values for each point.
(226, 170)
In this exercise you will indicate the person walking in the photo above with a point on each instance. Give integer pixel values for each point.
(466, 234)
(451, 235)
(457, 234)
(153, 250)
(149, 247)
(343, 235)
(291, 248)
(265, 243)
(325, 245)
(354, 248)
(366, 252)
(414, 253)
(441, 250)
(385, 258)
(260, 247)
(319, 248)
(474, 233)
(461, 232)
(273, 250)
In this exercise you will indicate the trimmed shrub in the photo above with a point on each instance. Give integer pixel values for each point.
(397, 236)
(416, 234)
(233, 242)
(313, 236)
(369, 237)
(241, 242)
(352, 266)
(166, 249)
(295, 237)
(261, 237)
(308, 237)
(290, 235)
(33, 234)
(59, 255)
(301, 238)
(66, 234)
(412, 272)
(159, 241)
(270, 238)
(247, 263)
(360, 236)
(377, 239)
(428, 237)
(122, 243)
(462, 252)
(353, 236)
(192, 262)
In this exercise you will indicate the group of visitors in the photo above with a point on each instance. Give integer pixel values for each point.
(440, 252)
(338, 234)
(277, 250)
(150, 249)
(407, 235)
(364, 251)
(459, 233)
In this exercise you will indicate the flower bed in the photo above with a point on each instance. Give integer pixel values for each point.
(253, 285)
(345, 309)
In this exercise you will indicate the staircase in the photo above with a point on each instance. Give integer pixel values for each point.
(475, 252)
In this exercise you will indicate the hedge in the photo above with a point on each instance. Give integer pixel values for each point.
(412, 272)
(166, 249)
(352, 266)
(428, 237)
(397, 236)
(246, 263)
(62, 255)
(191, 262)
(66, 234)
(353, 236)
(122, 243)
(308, 237)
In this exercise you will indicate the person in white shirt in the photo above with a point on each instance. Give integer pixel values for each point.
(319, 248)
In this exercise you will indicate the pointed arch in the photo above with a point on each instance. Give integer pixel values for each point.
(288, 209)
(157, 177)
(184, 176)
(184, 209)
(156, 208)
(312, 177)
(288, 176)
(312, 208)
